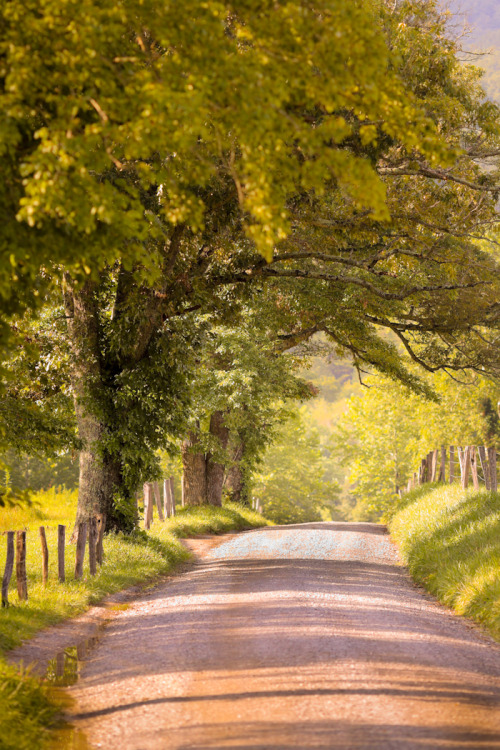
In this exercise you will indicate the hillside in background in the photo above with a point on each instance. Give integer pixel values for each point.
(482, 18)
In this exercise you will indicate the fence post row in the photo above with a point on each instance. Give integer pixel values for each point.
(433, 467)
(17, 553)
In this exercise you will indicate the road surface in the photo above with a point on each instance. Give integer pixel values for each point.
(308, 636)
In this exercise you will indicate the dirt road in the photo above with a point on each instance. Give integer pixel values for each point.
(295, 637)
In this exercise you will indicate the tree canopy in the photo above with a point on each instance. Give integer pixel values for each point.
(164, 163)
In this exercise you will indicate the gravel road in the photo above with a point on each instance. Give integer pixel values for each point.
(308, 636)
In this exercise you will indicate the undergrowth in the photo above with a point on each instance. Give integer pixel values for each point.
(450, 540)
(25, 707)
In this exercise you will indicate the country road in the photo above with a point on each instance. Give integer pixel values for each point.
(308, 636)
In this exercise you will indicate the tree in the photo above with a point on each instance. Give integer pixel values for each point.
(385, 433)
(237, 401)
(103, 102)
(343, 178)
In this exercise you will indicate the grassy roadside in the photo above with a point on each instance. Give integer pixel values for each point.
(25, 709)
(450, 540)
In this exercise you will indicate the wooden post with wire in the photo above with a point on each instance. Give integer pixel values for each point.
(492, 461)
(473, 467)
(22, 584)
(80, 549)
(45, 556)
(61, 541)
(172, 497)
(483, 458)
(148, 505)
(101, 527)
(452, 464)
(466, 466)
(442, 471)
(9, 567)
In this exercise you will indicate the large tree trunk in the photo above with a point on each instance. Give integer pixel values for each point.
(194, 466)
(215, 470)
(203, 475)
(100, 475)
(235, 477)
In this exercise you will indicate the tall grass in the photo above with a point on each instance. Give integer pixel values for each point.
(25, 707)
(450, 540)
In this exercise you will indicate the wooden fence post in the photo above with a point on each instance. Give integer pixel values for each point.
(148, 505)
(93, 545)
(434, 460)
(45, 556)
(9, 567)
(492, 460)
(156, 490)
(442, 472)
(22, 584)
(461, 461)
(172, 496)
(101, 527)
(452, 464)
(483, 458)
(465, 466)
(80, 549)
(166, 498)
(421, 474)
(473, 466)
(61, 539)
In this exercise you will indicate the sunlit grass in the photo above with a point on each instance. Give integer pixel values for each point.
(450, 540)
(25, 709)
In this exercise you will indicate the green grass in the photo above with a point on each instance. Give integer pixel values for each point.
(450, 540)
(128, 560)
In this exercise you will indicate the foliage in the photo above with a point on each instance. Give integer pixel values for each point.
(290, 483)
(34, 473)
(114, 99)
(342, 183)
(37, 424)
(450, 540)
(386, 431)
(242, 374)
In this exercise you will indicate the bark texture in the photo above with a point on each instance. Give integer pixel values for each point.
(235, 477)
(100, 476)
(194, 465)
(215, 470)
(203, 477)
